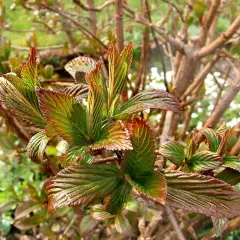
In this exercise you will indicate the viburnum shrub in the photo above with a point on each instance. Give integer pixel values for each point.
(205, 171)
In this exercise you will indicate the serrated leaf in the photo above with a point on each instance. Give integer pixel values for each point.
(148, 99)
(81, 185)
(119, 65)
(95, 101)
(36, 147)
(153, 186)
(76, 156)
(25, 208)
(79, 67)
(113, 136)
(118, 198)
(21, 101)
(212, 138)
(201, 194)
(138, 164)
(173, 151)
(29, 71)
(87, 225)
(140, 160)
(28, 92)
(79, 91)
(204, 161)
(222, 130)
(219, 225)
(123, 226)
(65, 114)
(232, 162)
(229, 176)
(98, 212)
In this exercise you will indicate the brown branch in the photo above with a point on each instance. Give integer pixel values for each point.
(224, 103)
(236, 149)
(119, 24)
(200, 77)
(83, 29)
(220, 41)
(174, 223)
(91, 8)
(142, 73)
(208, 20)
(159, 48)
(187, 120)
(93, 17)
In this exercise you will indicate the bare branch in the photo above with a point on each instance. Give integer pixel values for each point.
(119, 24)
(174, 223)
(220, 41)
(84, 30)
(223, 104)
(209, 20)
(90, 8)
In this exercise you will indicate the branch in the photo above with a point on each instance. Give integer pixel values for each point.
(209, 20)
(159, 47)
(222, 106)
(92, 9)
(174, 223)
(83, 29)
(142, 73)
(119, 24)
(220, 41)
(201, 76)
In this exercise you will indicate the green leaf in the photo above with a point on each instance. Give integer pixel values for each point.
(118, 198)
(79, 91)
(132, 204)
(229, 176)
(30, 222)
(113, 136)
(95, 102)
(201, 194)
(81, 185)
(232, 162)
(119, 65)
(173, 151)
(140, 160)
(98, 212)
(27, 92)
(65, 114)
(138, 164)
(36, 147)
(212, 139)
(21, 101)
(123, 226)
(152, 185)
(148, 99)
(87, 225)
(29, 71)
(76, 156)
(204, 161)
(79, 67)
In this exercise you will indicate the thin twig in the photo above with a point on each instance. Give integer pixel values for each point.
(174, 223)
